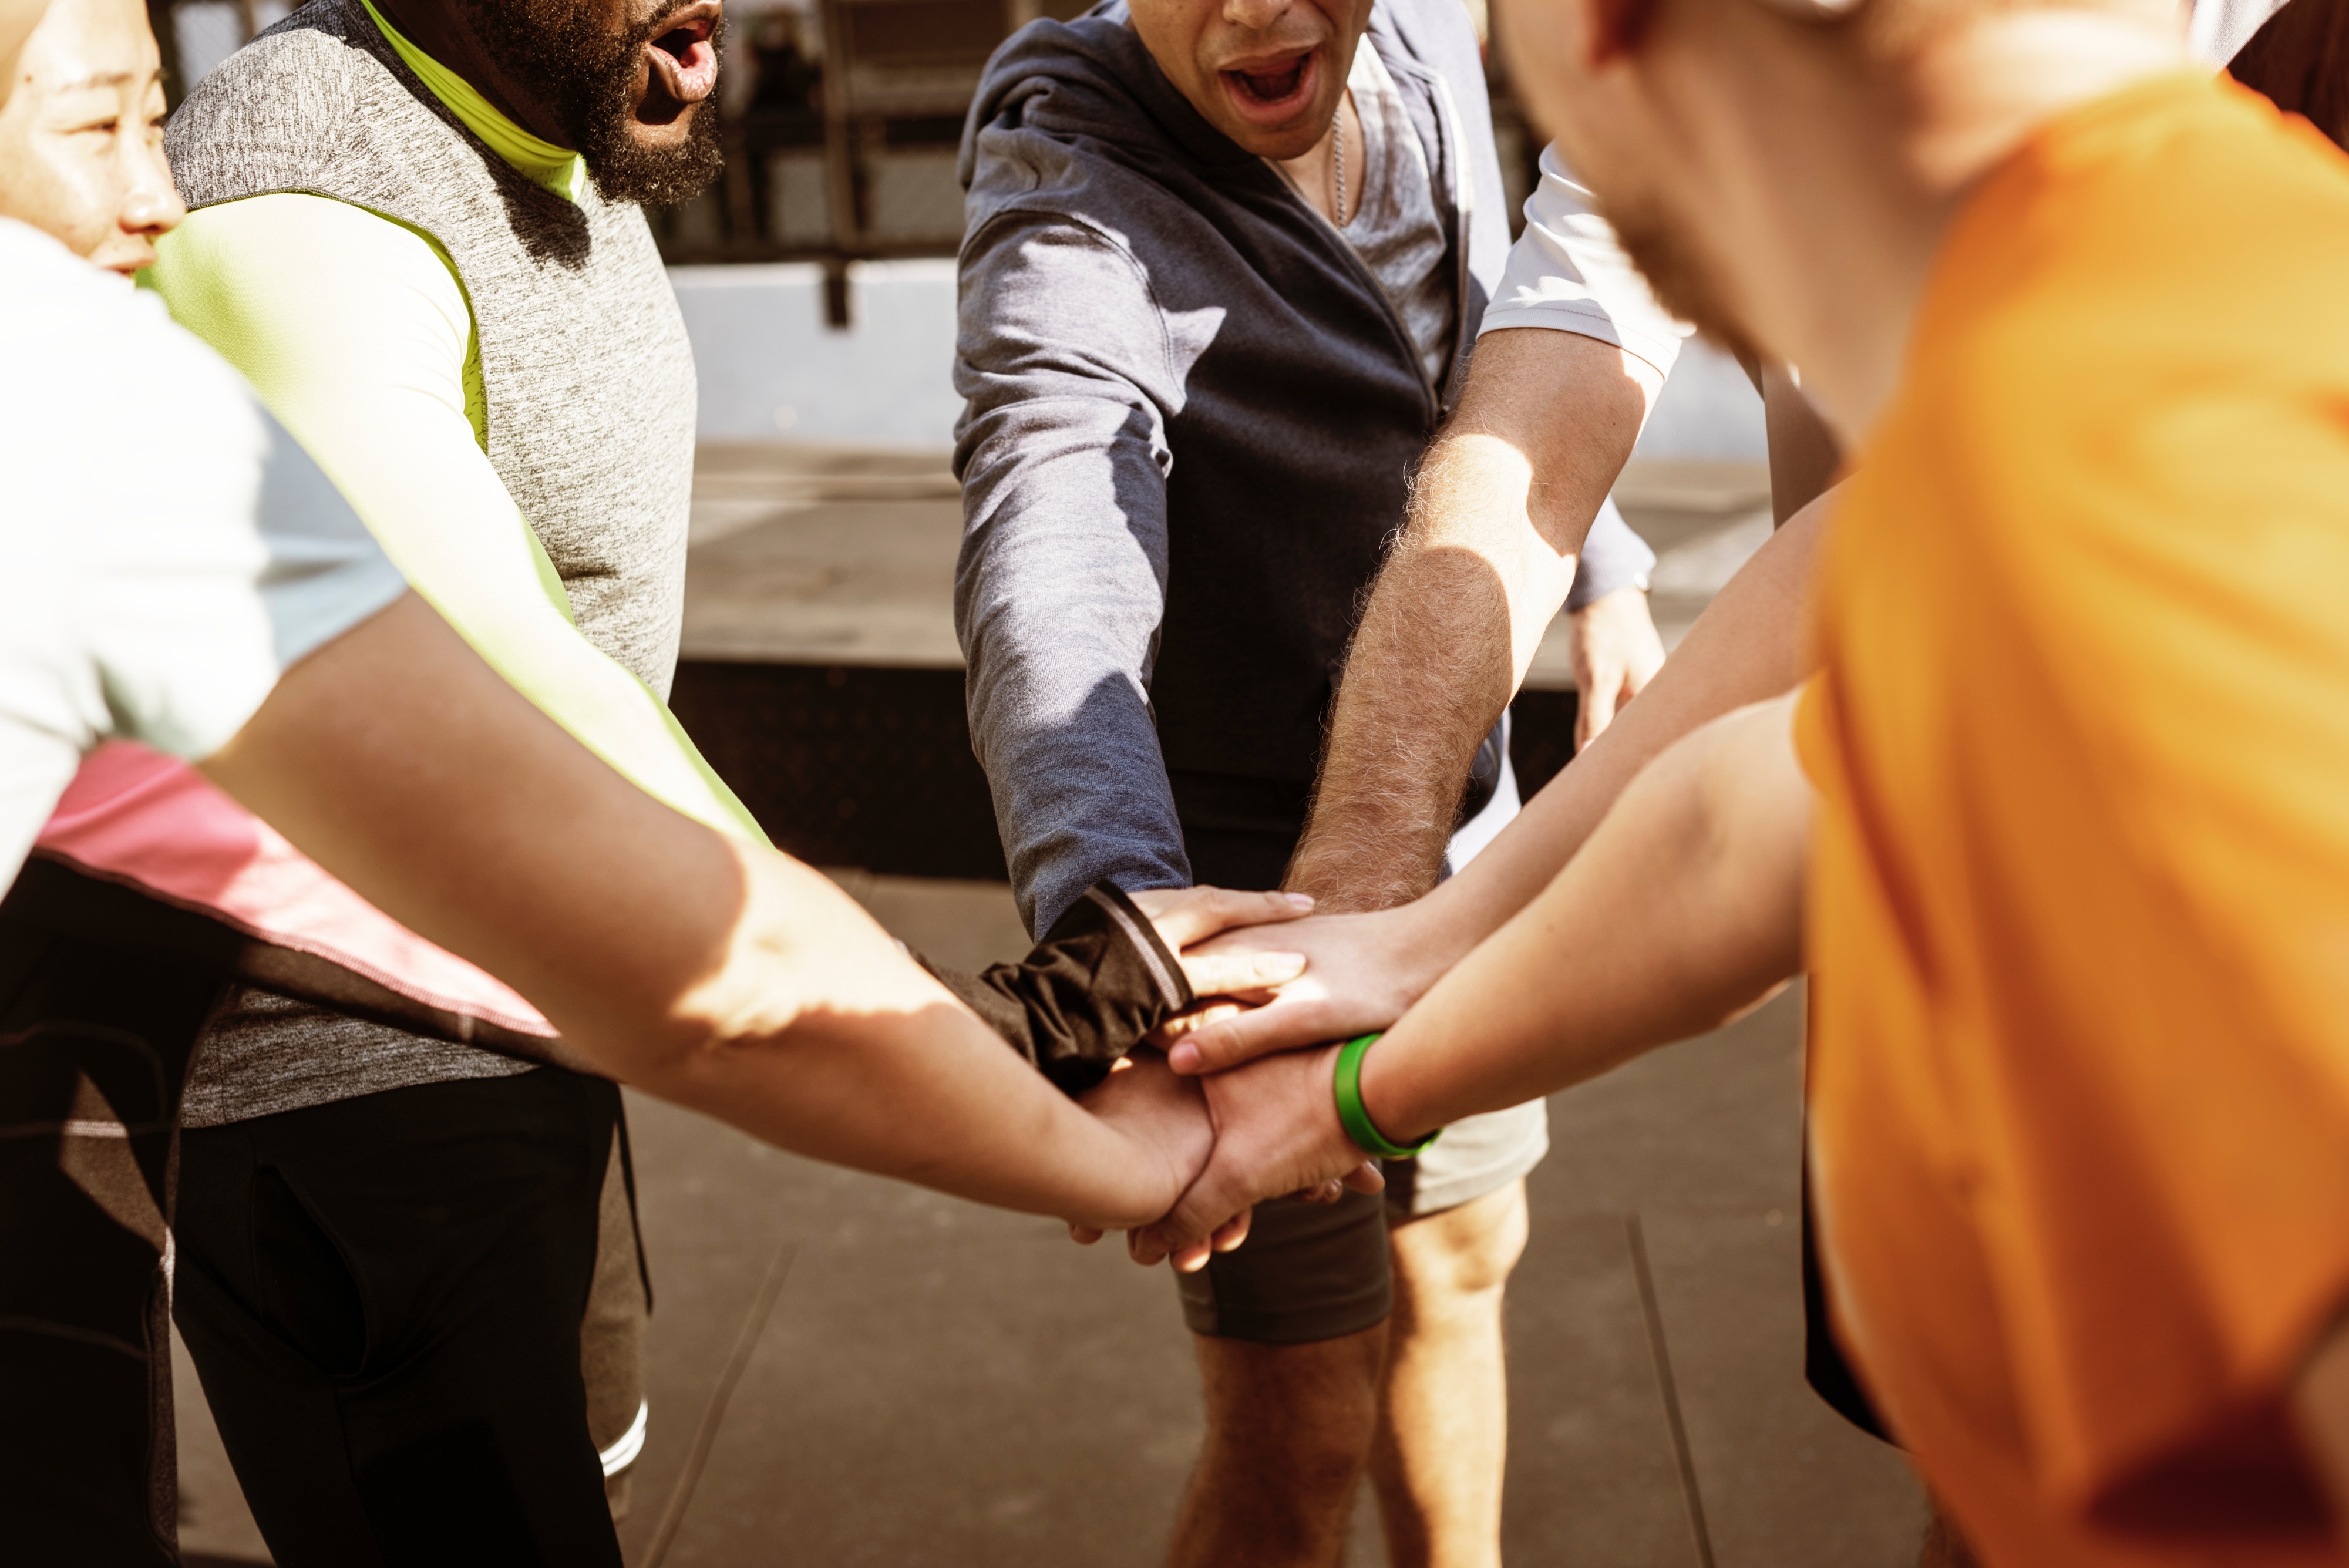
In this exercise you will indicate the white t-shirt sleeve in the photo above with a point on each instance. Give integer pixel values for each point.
(1567, 273)
(166, 550)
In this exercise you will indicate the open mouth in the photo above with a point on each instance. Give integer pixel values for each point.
(683, 57)
(1274, 89)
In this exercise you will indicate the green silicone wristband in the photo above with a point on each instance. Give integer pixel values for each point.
(1356, 1119)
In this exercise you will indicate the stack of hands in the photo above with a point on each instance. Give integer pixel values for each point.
(1237, 1094)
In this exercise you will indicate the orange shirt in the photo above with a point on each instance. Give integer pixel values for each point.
(2080, 899)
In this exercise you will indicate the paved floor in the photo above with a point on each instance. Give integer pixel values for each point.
(847, 1371)
(938, 1384)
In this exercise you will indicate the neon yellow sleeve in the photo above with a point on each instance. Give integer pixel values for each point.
(356, 332)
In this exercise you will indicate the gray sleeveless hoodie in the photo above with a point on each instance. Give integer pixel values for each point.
(588, 383)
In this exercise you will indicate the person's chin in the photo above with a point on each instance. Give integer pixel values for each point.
(663, 126)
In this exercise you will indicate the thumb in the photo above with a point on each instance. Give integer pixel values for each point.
(1219, 1195)
(1279, 1025)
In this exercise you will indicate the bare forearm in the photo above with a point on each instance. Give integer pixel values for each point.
(1429, 672)
(1803, 452)
(887, 1073)
(1748, 646)
(1684, 909)
(707, 971)
(1500, 509)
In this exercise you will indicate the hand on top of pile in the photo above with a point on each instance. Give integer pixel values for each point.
(1186, 918)
(1358, 974)
(1273, 996)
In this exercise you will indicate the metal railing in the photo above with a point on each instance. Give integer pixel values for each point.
(841, 133)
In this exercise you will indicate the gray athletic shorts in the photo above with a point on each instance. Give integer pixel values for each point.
(1319, 1271)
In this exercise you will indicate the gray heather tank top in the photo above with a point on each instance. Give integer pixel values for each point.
(588, 383)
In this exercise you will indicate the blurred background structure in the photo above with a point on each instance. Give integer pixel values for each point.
(847, 1371)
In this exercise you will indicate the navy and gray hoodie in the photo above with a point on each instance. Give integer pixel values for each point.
(1191, 418)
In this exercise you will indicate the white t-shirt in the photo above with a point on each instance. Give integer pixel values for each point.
(1566, 271)
(2220, 27)
(166, 550)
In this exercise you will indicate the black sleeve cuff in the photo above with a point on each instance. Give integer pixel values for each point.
(1085, 995)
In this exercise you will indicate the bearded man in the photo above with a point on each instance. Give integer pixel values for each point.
(416, 226)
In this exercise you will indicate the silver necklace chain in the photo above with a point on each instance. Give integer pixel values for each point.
(1338, 151)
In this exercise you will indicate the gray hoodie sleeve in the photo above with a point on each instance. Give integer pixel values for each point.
(1066, 362)
(1612, 557)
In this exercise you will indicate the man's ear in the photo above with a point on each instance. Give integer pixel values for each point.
(1616, 28)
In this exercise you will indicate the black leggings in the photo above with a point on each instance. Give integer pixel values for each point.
(362, 1433)
(383, 1298)
(94, 1049)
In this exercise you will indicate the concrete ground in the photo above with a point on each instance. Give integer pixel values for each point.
(844, 1370)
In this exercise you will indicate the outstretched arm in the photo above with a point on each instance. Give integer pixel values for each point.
(1684, 909)
(702, 969)
(1365, 970)
(1498, 516)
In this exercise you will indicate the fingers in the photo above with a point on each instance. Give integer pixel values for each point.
(1150, 1247)
(1235, 974)
(1227, 1238)
(1243, 1034)
(1199, 1017)
(1084, 1235)
(1365, 1178)
(1188, 915)
(1214, 1201)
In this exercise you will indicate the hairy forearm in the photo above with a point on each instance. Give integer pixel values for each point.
(1429, 671)
(1499, 509)
(1746, 647)
(1684, 909)
(707, 971)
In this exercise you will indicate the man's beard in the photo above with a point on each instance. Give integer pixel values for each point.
(553, 50)
(1681, 280)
